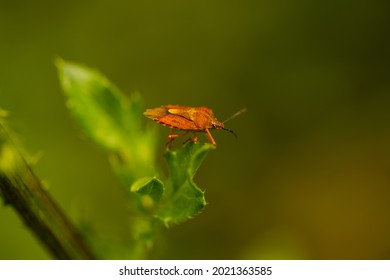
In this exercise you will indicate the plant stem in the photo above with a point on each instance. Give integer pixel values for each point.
(21, 188)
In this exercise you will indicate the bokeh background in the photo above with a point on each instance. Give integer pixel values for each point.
(308, 177)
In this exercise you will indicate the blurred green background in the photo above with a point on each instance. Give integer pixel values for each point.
(308, 177)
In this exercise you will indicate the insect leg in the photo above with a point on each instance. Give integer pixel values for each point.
(210, 137)
(172, 136)
(193, 139)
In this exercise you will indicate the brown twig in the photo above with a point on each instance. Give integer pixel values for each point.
(20, 188)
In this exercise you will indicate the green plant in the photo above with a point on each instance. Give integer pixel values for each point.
(114, 121)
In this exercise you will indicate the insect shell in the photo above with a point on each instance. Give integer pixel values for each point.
(189, 119)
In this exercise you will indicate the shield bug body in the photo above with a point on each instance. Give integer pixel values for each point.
(188, 119)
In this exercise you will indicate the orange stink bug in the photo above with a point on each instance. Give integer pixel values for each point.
(189, 119)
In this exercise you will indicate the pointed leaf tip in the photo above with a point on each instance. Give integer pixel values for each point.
(186, 199)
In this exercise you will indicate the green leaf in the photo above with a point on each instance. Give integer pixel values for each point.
(111, 119)
(149, 191)
(185, 199)
(10, 156)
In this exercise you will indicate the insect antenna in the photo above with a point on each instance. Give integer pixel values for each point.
(231, 131)
(232, 117)
(235, 115)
